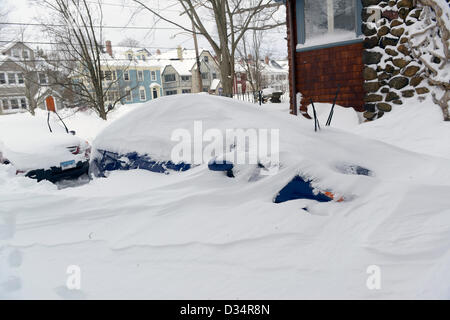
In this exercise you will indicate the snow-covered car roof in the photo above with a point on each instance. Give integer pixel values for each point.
(27, 142)
(324, 157)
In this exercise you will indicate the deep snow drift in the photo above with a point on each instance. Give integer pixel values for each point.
(199, 234)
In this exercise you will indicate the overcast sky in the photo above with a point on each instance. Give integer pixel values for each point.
(127, 13)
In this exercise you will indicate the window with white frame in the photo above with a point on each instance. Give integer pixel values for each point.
(169, 77)
(206, 59)
(108, 75)
(25, 54)
(42, 78)
(128, 94)
(185, 78)
(142, 94)
(322, 22)
(23, 103)
(14, 103)
(11, 78)
(126, 75)
(20, 78)
(15, 53)
(153, 73)
(5, 104)
(140, 74)
(114, 76)
(130, 56)
(2, 78)
(171, 92)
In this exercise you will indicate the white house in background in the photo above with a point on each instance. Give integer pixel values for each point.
(180, 75)
(275, 75)
(25, 80)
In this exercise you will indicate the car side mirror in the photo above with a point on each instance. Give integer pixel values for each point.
(72, 132)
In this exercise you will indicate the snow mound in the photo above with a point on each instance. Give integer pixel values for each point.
(201, 235)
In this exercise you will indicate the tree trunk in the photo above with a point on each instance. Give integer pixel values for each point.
(227, 77)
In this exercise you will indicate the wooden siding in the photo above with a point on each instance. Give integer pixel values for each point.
(319, 72)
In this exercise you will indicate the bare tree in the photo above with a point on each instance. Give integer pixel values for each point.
(250, 58)
(429, 40)
(129, 42)
(77, 29)
(233, 19)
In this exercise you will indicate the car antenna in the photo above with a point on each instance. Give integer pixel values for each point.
(67, 130)
(48, 122)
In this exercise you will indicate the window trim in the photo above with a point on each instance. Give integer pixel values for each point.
(141, 77)
(5, 78)
(142, 89)
(9, 78)
(45, 76)
(301, 36)
(153, 75)
(129, 97)
(127, 73)
(170, 74)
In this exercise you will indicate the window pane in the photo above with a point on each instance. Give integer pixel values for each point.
(5, 104)
(20, 78)
(23, 103)
(11, 78)
(329, 20)
(42, 78)
(142, 93)
(2, 78)
(14, 104)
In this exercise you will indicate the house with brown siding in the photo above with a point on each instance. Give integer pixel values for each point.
(359, 46)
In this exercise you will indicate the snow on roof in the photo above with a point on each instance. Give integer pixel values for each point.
(184, 67)
(8, 46)
(215, 84)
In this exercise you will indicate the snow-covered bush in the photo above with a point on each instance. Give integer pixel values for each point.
(428, 40)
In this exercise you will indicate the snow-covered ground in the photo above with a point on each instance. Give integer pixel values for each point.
(200, 235)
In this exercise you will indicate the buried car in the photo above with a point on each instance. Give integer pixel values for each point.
(239, 141)
(42, 148)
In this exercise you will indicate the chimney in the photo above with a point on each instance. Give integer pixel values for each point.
(158, 52)
(180, 53)
(267, 60)
(109, 48)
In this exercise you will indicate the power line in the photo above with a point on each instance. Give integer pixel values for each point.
(104, 27)
(144, 46)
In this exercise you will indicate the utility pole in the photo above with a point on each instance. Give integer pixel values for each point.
(197, 57)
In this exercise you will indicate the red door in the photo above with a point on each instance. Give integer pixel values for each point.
(50, 102)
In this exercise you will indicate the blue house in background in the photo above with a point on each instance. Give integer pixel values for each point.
(132, 75)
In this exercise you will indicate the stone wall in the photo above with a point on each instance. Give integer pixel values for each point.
(391, 75)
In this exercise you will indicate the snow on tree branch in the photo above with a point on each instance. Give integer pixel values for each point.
(428, 39)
